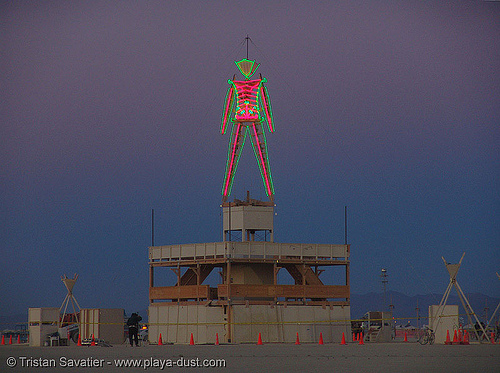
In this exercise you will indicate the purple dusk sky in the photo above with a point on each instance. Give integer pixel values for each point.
(109, 109)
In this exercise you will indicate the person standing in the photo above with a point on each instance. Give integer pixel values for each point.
(133, 328)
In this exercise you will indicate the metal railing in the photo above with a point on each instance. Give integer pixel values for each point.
(248, 249)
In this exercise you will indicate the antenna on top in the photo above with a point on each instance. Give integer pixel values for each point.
(247, 39)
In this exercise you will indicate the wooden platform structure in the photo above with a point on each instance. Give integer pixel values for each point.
(192, 263)
(249, 269)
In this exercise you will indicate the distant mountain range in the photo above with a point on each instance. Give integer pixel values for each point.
(404, 307)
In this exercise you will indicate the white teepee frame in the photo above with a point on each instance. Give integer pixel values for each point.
(496, 309)
(69, 283)
(453, 270)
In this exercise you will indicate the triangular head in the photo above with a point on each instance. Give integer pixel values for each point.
(247, 67)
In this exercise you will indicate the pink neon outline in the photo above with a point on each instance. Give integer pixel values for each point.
(247, 91)
(263, 163)
(226, 111)
(266, 109)
(232, 160)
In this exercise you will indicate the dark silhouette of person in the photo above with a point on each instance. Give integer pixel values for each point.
(133, 328)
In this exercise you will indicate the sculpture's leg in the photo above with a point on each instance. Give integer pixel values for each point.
(238, 136)
(260, 149)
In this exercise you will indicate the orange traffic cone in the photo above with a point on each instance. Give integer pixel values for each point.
(320, 339)
(297, 342)
(93, 341)
(79, 340)
(466, 337)
(10, 339)
(447, 342)
(459, 336)
(455, 338)
(343, 339)
(160, 341)
(353, 337)
(492, 337)
(259, 342)
(3, 339)
(216, 339)
(361, 339)
(406, 338)
(191, 341)
(18, 339)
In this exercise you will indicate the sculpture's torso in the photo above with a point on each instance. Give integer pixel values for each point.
(247, 107)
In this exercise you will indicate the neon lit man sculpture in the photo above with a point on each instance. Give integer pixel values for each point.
(246, 107)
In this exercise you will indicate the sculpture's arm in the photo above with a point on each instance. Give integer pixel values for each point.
(228, 108)
(266, 104)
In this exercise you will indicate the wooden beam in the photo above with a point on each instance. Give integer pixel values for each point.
(195, 275)
(310, 277)
(179, 292)
(287, 291)
(303, 274)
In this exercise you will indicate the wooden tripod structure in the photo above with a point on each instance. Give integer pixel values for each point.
(453, 270)
(69, 283)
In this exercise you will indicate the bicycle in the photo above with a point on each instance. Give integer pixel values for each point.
(428, 337)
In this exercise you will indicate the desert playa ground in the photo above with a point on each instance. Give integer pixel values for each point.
(380, 357)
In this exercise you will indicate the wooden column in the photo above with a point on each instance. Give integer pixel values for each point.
(229, 306)
(177, 271)
(151, 279)
(347, 279)
(303, 272)
(198, 282)
(275, 280)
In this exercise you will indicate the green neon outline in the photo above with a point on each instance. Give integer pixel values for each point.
(251, 71)
(268, 168)
(229, 152)
(257, 99)
(230, 188)
(230, 109)
(262, 103)
(268, 102)
(268, 163)
(235, 166)
(260, 169)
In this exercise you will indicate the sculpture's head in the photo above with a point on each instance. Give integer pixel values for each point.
(247, 67)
